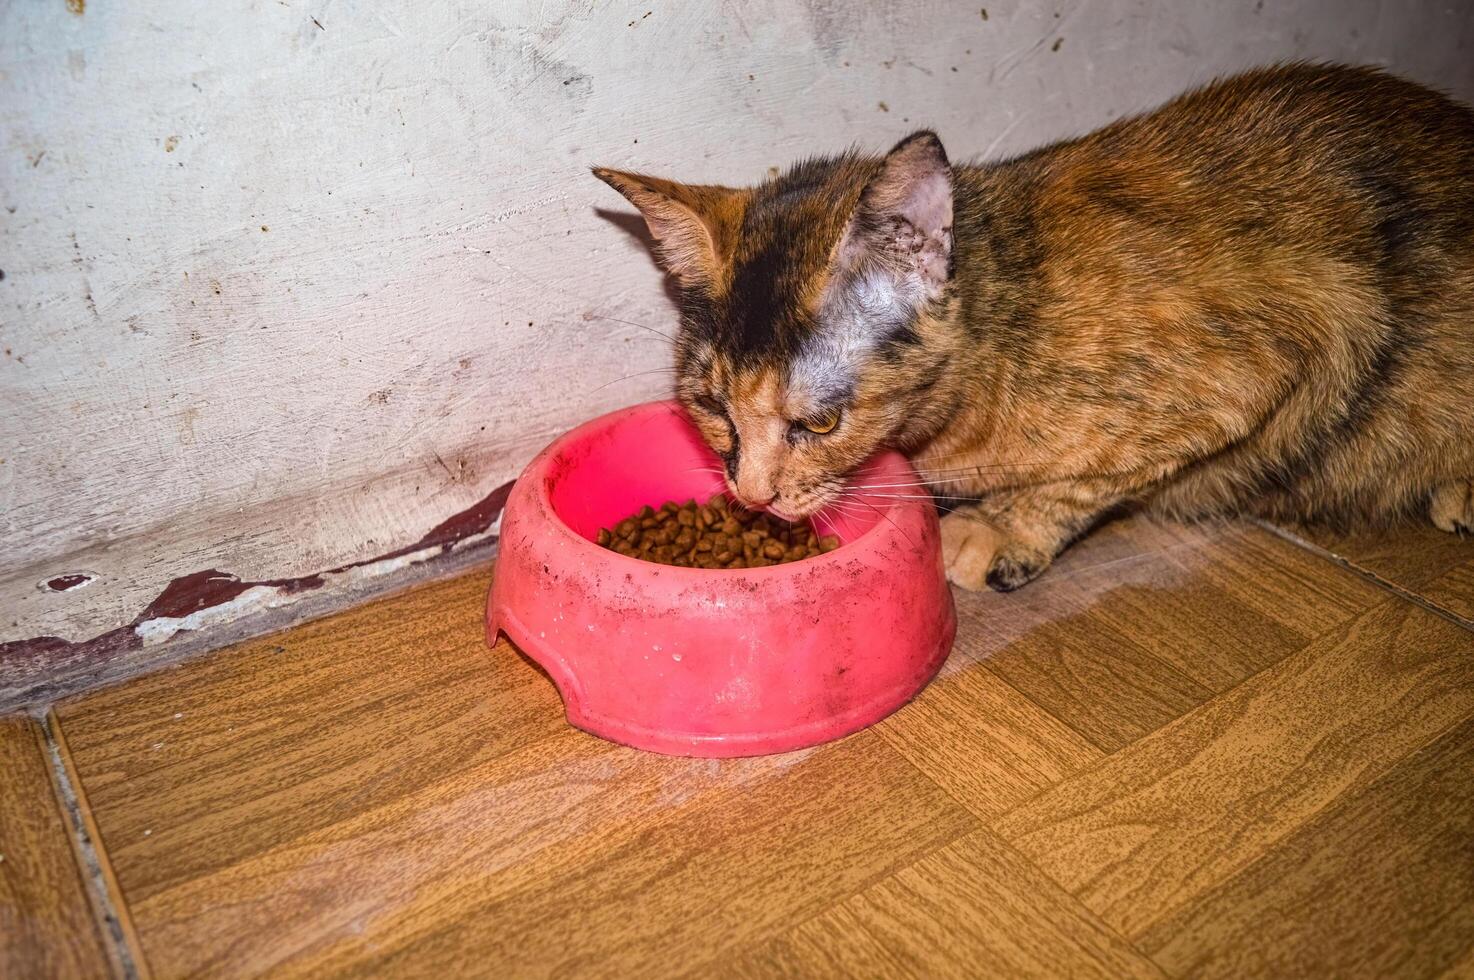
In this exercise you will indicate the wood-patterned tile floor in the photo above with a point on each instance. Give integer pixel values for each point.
(1191, 752)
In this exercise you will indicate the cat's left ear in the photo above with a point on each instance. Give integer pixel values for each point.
(694, 225)
(905, 211)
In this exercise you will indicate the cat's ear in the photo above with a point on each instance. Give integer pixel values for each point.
(905, 211)
(694, 225)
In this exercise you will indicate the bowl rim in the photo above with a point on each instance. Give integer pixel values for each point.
(544, 458)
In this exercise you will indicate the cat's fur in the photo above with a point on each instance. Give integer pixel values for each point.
(1257, 298)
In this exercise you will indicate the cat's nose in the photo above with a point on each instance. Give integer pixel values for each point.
(753, 503)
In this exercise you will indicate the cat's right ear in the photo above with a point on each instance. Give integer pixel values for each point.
(905, 213)
(694, 225)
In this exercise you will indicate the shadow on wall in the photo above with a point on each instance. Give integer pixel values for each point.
(634, 226)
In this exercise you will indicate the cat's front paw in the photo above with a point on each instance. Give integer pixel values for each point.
(979, 555)
(1451, 507)
(968, 547)
(1013, 569)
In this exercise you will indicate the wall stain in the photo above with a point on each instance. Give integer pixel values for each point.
(78, 7)
(63, 583)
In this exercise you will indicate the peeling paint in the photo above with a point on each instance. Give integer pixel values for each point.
(212, 598)
(161, 628)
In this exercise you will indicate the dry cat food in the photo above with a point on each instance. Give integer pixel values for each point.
(713, 535)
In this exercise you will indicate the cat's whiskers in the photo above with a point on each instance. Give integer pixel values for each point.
(914, 483)
(637, 374)
(981, 467)
(632, 323)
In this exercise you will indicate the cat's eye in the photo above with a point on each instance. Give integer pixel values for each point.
(822, 423)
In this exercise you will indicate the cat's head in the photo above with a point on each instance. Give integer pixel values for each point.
(814, 313)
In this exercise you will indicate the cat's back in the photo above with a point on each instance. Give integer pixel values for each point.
(1323, 110)
(1327, 154)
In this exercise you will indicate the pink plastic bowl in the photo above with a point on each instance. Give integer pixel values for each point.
(702, 662)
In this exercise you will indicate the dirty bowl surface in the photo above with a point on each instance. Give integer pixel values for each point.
(724, 662)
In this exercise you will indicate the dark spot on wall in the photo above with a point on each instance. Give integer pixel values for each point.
(264, 228)
(380, 397)
(64, 583)
(1057, 42)
(984, 12)
(884, 107)
(78, 7)
(171, 143)
(319, 24)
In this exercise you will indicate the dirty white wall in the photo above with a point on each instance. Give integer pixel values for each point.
(287, 282)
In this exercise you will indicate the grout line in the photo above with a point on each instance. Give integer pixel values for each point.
(102, 886)
(1364, 573)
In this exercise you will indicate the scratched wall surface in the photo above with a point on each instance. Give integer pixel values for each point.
(288, 282)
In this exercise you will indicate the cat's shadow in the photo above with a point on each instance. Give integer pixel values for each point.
(634, 226)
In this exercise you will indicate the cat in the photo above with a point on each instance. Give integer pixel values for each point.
(1256, 299)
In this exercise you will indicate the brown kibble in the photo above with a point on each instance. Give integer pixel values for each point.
(828, 543)
(711, 535)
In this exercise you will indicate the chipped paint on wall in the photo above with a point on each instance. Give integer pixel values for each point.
(317, 279)
(42, 668)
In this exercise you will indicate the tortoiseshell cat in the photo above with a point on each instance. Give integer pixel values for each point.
(1258, 298)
